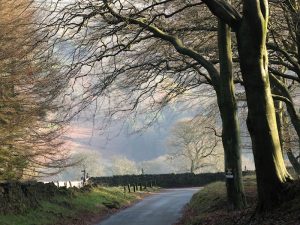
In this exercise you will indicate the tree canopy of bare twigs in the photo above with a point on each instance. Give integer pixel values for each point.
(139, 56)
(147, 53)
(194, 142)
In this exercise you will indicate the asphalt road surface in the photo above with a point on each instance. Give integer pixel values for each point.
(163, 208)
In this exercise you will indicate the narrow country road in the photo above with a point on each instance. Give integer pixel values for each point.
(163, 208)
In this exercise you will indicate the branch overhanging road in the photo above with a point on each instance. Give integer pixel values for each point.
(164, 208)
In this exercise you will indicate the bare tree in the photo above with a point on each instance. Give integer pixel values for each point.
(88, 160)
(117, 37)
(122, 166)
(194, 142)
(143, 53)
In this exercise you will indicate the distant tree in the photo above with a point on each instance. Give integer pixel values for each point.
(120, 165)
(193, 142)
(88, 160)
(159, 165)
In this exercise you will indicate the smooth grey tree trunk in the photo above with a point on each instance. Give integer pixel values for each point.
(192, 169)
(261, 121)
(287, 146)
(279, 120)
(281, 89)
(293, 160)
(230, 124)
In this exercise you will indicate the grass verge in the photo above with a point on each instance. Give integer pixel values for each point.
(209, 207)
(80, 207)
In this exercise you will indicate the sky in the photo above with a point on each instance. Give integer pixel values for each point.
(146, 149)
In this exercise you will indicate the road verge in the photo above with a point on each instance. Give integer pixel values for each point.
(76, 207)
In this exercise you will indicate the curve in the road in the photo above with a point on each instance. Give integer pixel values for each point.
(163, 208)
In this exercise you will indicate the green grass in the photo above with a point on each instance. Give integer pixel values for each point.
(65, 208)
(211, 198)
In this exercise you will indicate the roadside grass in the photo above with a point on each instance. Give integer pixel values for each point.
(209, 199)
(209, 207)
(209, 202)
(66, 209)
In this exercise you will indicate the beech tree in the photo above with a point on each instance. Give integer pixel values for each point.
(150, 52)
(125, 28)
(284, 50)
(251, 32)
(284, 53)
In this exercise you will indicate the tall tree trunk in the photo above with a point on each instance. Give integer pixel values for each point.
(293, 160)
(298, 36)
(287, 146)
(271, 172)
(279, 117)
(192, 169)
(295, 117)
(296, 22)
(284, 136)
(281, 89)
(228, 110)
